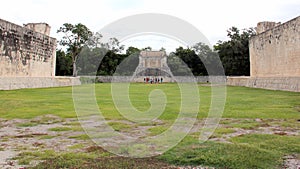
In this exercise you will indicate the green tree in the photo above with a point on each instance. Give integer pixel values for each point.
(130, 62)
(192, 60)
(162, 49)
(110, 62)
(89, 60)
(234, 53)
(74, 38)
(63, 64)
(210, 58)
(132, 50)
(95, 41)
(177, 66)
(114, 45)
(148, 48)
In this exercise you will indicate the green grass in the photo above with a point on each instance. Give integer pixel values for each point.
(76, 128)
(245, 102)
(47, 137)
(76, 146)
(29, 103)
(69, 158)
(29, 124)
(157, 130)
(243, 107)
(119, 126)
(241, 102)
(219, 132)
(82, 161)
(80, 137)
(25, 158)
(248, 151)
(58, 129)
(271, 142)
(291, 123)
(245, 124)
(92, 157)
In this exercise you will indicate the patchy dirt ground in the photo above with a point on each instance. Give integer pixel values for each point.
(20, 135)
(53, 133)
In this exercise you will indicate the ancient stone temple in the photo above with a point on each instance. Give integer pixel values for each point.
(153, 63)
(28, 57)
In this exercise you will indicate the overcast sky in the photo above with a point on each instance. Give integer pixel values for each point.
(211, 17)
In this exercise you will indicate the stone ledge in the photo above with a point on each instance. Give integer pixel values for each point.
(11, 83)
(272, 83)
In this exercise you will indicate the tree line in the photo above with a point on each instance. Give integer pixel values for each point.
(84, 51)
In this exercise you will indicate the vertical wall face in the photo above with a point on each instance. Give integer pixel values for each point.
(24, 52)
(276, 52)
(153, 63)
(153, 59)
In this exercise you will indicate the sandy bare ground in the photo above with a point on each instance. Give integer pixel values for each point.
(16, 137)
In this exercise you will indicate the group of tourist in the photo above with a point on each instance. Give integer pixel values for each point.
(153, 80)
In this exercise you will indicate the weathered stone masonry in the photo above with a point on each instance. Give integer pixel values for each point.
(274, 57)
(276, 52)
(27, 57)
(25, 52)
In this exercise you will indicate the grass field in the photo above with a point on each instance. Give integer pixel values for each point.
(270, 120)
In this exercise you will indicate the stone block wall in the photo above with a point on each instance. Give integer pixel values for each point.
(275, 52)
(25, 52)
(271, 83)
(12, 83)
(42, 28)
(274, 57)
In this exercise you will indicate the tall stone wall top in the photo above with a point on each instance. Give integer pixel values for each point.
(276, 51)
(264, 26)
(26, 51)
(42, 28)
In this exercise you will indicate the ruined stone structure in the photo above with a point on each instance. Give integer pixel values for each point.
(153, 63)
(27, 56)
(276, 51)
(25, 52)
(42, 28)
(264, 26)
(274, 57)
